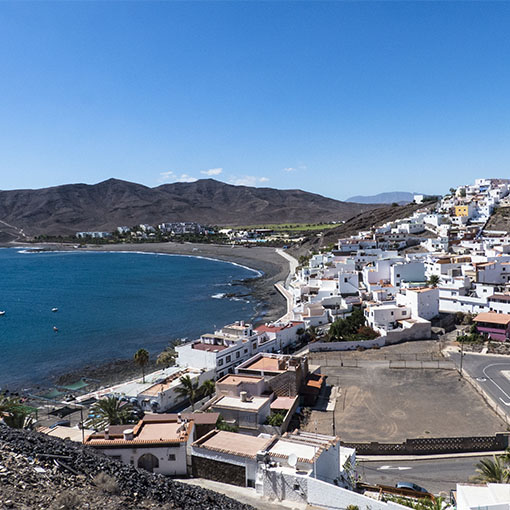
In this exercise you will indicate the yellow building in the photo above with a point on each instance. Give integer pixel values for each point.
(462, 210)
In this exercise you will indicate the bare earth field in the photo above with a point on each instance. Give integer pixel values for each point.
(378, 403)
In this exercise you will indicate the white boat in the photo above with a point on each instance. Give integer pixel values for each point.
(55, 328)
(54, 309)
(2, 312)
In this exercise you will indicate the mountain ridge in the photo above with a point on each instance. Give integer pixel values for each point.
(388, 197)
(69, 208)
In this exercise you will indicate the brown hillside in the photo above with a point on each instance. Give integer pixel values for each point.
(104, 206)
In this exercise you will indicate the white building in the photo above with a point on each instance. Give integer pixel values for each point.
(157, 443)
(492, 496)
(423, 302)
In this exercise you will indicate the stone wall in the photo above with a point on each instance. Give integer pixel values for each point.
(434, 445)
(218, 471)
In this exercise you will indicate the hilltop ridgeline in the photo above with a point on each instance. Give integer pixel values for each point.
(67, 470)
(64, 210)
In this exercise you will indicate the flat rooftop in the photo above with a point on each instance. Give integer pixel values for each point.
(265, 364)
(304, 452)
(233, 443)
(254, 404)
(201, 346)
(283, 403)
(236, 380)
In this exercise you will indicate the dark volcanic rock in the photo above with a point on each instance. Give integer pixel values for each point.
(37, 471)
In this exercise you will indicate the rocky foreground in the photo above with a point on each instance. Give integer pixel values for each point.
(41, 472)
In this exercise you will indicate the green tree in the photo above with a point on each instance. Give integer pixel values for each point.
(14, 414)
(221, 424)
(275, 418)
(141, 358)
(167, 357)
(110, 411)
(433, 281)
(493, 470)
(208, 388)
(188, 389)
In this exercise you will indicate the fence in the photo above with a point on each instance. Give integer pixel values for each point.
(434, 445)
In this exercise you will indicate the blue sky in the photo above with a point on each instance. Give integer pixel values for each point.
(338, 98)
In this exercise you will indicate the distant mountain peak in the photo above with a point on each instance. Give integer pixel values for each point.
(71, 208)
(388, 197)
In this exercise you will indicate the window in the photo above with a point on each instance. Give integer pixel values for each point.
(229, 358)
(238, 354)
(220, 362)
(404, 313)
(254, 345)
(246, 351)
(171, 456)
(391, 313)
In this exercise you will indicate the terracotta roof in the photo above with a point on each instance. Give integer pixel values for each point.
(493, 317)
(500, 297)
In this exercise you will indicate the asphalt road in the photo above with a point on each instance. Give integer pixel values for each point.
(491, 372)
(434, 475)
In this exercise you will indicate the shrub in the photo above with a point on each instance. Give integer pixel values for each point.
(106, 483)
(275, 418)
(67, 501)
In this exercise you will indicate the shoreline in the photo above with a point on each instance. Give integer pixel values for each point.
(271, 305)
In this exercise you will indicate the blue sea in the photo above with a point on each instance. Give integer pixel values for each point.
(109, 305)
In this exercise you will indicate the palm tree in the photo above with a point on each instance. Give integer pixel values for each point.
(167, 357)
(208, 388)
(110, 411)
(188, 389)
(142, 358)
(433, 280)
(493, 470)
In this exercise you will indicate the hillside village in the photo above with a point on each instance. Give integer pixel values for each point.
(410, 279)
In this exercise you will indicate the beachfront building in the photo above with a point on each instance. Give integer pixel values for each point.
(157, 443)
(224, 349)
(158, 393)
(285, 334)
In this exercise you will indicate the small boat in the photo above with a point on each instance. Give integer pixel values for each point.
(2, 312)
(55, 328)
(54, 309)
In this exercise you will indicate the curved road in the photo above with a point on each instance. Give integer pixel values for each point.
(492, 373)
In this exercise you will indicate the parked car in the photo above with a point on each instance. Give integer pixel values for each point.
(412, 487)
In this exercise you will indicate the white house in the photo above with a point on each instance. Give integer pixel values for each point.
(492, 496)
(157, 443)
(423, 302)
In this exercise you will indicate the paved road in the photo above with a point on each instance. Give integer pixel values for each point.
(439, 475)
(492, 373)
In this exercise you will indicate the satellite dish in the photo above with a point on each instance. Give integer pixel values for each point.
(292, 460)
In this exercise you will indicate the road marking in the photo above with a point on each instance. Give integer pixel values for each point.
(506, 403)
(494, 382)
(397, 468)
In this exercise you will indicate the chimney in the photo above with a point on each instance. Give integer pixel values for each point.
(244, 396)
(179, 417)
(107, 433)
(128, 435)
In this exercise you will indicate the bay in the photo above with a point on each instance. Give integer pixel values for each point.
(109, 305)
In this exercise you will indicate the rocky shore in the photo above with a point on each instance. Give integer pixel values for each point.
(41, 472)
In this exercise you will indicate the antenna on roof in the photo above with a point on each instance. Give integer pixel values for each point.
(292, 460)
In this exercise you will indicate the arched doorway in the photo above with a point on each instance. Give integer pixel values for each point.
(148, 462)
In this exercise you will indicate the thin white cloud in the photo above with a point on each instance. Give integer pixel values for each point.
(247, 180)
(294, 168)
(170, 176)
(212, 171)
(186, 178)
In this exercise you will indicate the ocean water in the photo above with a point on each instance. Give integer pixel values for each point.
(109, 305)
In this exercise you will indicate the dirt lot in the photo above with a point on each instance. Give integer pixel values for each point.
(378, 403)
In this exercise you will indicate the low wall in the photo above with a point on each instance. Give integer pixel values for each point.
(434, 445)
(345, 346)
